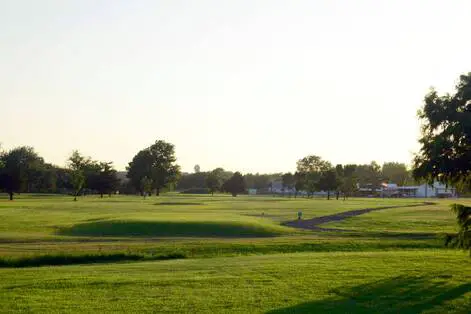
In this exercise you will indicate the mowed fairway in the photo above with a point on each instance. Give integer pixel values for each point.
(228, 255)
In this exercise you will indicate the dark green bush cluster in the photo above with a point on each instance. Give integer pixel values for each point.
(69, 259)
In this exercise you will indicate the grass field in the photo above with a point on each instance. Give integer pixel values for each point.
(197, 254)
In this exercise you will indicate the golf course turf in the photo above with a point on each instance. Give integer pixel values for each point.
(203, 254)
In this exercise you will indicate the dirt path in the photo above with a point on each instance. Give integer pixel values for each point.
(313, 224)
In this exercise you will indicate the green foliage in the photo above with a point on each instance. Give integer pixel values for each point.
(18, 167)
(328, 181)
(288, 180)
(260, 181)
(213, 181)
(108, 181)
(463, 238)
(309, 172)
(235, 185)
(369, 176)
(395, 172)
(446, 136)
(192, 180)
(346, 180)
(146, 186)
(312, 164)
(78, 164)
(156, 162)
(140, 167)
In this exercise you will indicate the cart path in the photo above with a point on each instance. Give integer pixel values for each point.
(313, 223)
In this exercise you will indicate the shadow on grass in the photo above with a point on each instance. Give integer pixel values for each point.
(178, 203)
(396, 295)
(165, 229)
(71, 259)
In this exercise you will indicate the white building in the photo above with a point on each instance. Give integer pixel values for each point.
(436, 189)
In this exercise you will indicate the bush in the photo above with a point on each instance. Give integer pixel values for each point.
(71, 259)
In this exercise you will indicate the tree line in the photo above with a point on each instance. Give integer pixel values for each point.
(154, 169)
(313, 174)
(22, 170)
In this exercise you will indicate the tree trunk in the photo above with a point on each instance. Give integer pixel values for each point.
(101, 195)
(11, 195)
(75, 197)
(338, 195)
(328, 195)
(157, 192)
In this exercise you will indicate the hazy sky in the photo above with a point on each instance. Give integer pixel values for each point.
(246, 85)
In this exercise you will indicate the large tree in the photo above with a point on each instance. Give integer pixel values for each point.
(158, 163)
(445, 153)
(214, 180)
(395, 172)
(369, 176)
(328, 181)
(310, 168)
(47, 180)
(77, 164)
(348, 182)
(107, 180)
(312, 163)
(17, 167)
(140, 167)
(235, 185)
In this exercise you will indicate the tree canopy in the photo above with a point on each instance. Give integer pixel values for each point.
(18, 169)
(309, 172)
(235, 185)
(77, 164)
(445, 152)
(395, 172)
(215, 179)
(156, 162)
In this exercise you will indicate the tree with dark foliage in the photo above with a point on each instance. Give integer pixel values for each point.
(157, 163)
(445, 153)
(17, 166)
(235, 185)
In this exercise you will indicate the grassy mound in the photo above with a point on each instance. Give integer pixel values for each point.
(167, 229)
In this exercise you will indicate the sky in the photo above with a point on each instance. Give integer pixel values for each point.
(245, 85)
